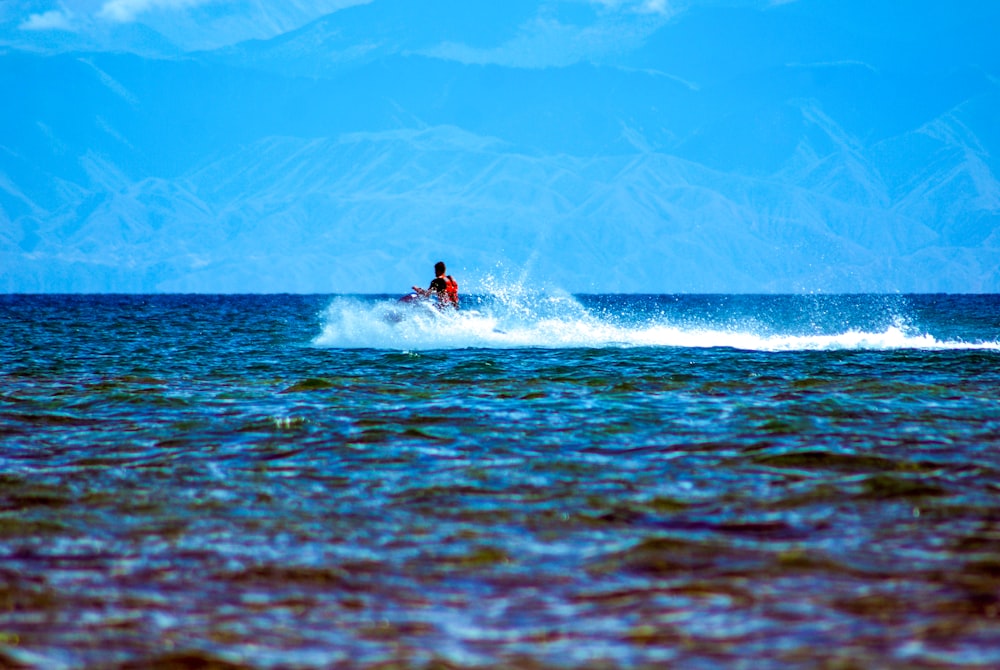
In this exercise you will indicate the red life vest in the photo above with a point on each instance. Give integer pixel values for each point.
(451, 291)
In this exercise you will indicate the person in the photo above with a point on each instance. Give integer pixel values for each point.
(443, 287)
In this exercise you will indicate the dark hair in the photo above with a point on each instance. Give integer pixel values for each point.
(439, 268)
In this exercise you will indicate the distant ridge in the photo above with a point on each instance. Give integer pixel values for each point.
(342, 156)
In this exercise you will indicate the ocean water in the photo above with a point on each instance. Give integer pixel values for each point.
(547, 481)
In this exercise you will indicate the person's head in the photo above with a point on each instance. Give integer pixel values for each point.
(439, 268)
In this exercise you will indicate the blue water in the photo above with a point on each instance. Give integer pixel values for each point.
(537, 481)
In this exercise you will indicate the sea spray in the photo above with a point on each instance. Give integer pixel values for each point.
(511, 316)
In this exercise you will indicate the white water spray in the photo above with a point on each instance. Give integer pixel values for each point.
(507, 315)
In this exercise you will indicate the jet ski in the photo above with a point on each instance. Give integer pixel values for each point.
(413, 305)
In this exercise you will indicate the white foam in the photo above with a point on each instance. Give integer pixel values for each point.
(562, 322)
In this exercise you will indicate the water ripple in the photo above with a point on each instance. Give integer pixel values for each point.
(186, 484)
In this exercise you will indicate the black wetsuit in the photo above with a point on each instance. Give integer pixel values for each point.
(446, 290)
(439, 285)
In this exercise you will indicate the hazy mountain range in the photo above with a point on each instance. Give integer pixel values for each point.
(590, 147)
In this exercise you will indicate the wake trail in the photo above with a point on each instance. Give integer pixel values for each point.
(507, 321)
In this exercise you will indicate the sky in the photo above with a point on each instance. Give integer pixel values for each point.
(547, 33)
(683, 145)
(188, 24)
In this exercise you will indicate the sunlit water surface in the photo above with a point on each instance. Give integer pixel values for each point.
(564, 482)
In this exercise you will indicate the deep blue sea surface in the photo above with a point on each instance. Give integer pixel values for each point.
(534, 482)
